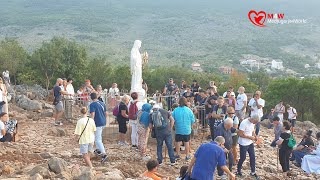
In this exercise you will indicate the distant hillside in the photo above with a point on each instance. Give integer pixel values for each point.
(177, 32)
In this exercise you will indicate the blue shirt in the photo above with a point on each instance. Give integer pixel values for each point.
(99, 109)
(208, 157)
(183, 119)
(57, 94)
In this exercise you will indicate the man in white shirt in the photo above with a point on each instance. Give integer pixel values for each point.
(241, 103)
(292, 116)
(279, 110)
(246, 143)
(70, 88)
(256, 105)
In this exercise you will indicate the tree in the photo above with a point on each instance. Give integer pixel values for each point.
(261, 79)
(47, 60)
(12, 56)
(236, 80)
(303, 94)
(99, 71)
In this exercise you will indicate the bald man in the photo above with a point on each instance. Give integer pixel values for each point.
(58, 105)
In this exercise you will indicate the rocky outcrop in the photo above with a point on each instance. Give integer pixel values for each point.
(25, 103)
(57, 165)
(34, 92)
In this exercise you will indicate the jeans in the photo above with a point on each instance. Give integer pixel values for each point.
(257, 128)
(167, 138)
(212, 128)
(6, 138)
(230, 160)
(170, 102)
(134, 132)
(298, 155)
(98, 139)
(243, 152)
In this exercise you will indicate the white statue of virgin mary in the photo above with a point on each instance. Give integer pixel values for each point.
(136, 70)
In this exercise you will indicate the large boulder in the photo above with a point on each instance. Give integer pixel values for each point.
(25, 103)
(40, 170)
(33, 92)
(57, 165)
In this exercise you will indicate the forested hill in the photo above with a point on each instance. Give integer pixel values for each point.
(174, 32)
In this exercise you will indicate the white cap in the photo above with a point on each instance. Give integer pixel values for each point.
(156, 106)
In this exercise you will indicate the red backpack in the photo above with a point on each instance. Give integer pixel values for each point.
(133, 109)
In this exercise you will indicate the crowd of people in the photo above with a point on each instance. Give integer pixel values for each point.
(171, 116)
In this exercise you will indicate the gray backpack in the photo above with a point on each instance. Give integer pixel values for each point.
(158, 121)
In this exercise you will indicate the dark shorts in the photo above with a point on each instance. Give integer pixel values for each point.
(235, 140)
(122, 126)
(293, 122)
(183, 138)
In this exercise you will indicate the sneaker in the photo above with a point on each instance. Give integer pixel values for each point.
(173, 163)
(97, 152)
(104, 158)
(254, 175)
(56, 123)
(146, 158)
(188, 158)
(239, 174)
(223, 177)
(134, 146)
(177, 157)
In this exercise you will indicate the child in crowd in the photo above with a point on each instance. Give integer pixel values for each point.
(183, 173)
(152, 173)
(85, 129)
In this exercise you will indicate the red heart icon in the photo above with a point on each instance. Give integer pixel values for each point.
(258, 19)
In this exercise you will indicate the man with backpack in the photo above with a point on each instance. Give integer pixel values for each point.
(162, 121)
(134, 106)
(98, 113)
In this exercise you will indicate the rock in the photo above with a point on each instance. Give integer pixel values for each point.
(116, 174)
(64, 175)
(87, 174)
(270, 169)
(28, 104)
(7, 170)
(33, 92)
(36, 177)
(47, 106)
(35, 156)
(45, 155)
(61, 132)
(44, 172)
(309, 125)
(48, 113)
(57, 165)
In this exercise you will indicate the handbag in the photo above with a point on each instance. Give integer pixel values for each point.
(83, 130)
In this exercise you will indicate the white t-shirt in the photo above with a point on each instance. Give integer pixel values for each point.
(1, 128)
(291, 113)
(225, 94)
(70, 89)
(247, 127)
(253, 105)
(113, 92)
(241, 98)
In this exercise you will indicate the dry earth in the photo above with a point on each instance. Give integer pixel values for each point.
(39, 140)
